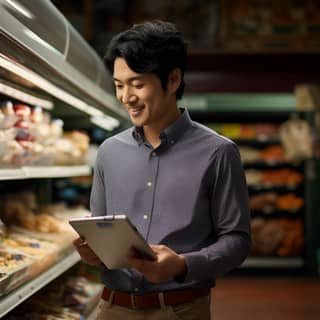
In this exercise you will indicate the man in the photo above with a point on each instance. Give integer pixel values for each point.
(179, 182)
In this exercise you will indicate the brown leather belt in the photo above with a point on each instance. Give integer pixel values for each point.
(153, 300)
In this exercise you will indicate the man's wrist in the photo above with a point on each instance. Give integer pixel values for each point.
(182, 270)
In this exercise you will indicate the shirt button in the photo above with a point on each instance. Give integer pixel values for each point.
(136, 289)
(145, 216)
(154, 154)
(149, 184)
(172, 141)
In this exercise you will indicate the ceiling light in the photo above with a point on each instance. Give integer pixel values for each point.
(105, 122)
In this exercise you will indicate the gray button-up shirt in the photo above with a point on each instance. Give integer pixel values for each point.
(189, 194)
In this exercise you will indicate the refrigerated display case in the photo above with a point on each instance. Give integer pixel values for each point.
(45, 64)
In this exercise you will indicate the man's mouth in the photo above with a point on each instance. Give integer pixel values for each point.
(136, 111)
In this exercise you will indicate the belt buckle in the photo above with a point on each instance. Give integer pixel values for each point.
(133, 301)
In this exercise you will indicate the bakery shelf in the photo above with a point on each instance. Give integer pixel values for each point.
(273, 164)
(44, 172)
(276, 214)
(273, 187)
(273, 262)
(19, 295)
(257, 142)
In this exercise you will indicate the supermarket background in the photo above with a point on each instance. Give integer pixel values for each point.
(253, 76)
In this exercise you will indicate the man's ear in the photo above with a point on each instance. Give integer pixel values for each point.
(174, 80)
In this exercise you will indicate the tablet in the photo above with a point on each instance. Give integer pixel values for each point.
(111, 238)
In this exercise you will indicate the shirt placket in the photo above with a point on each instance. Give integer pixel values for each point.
(151, 183)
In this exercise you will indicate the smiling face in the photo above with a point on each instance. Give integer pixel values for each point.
(148, 104)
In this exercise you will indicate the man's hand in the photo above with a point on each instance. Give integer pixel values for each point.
(85, 252)
(168, 264)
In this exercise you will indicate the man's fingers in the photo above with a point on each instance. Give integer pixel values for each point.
(79, 241)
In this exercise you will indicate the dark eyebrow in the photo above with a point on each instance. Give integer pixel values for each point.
(130, 79)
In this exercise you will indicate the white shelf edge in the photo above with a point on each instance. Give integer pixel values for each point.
(93, 314)
(44, 172)
(273, 262)
(9, 302)
(11, 174)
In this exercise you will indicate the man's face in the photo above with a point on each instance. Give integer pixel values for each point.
(142, 95)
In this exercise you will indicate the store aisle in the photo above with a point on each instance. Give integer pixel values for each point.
(265, 298)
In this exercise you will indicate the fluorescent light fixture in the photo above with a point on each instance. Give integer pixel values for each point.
(20, 8)
(20, 95)
(42, 83)
(105, 122)
(94, 111)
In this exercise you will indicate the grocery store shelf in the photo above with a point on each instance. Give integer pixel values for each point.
(246, 102)
(17, 296)
(44, 172)
(273, 262)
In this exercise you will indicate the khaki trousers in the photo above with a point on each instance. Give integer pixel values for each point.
(198, 309)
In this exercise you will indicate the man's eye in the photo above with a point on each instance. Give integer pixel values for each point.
(118, 86)
(139, 86)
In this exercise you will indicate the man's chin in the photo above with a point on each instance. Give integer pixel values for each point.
(136, 122)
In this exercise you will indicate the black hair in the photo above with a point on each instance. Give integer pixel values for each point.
(151, 47)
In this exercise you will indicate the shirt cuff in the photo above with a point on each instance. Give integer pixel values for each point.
(197, 266)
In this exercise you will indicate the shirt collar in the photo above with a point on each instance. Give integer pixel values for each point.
(137, 133)
(171, 133)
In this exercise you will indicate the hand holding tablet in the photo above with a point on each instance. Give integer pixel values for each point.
(112, 239)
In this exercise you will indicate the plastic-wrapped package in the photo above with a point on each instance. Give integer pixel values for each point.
(8, 117)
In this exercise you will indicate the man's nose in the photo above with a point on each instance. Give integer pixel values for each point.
(128, 97)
